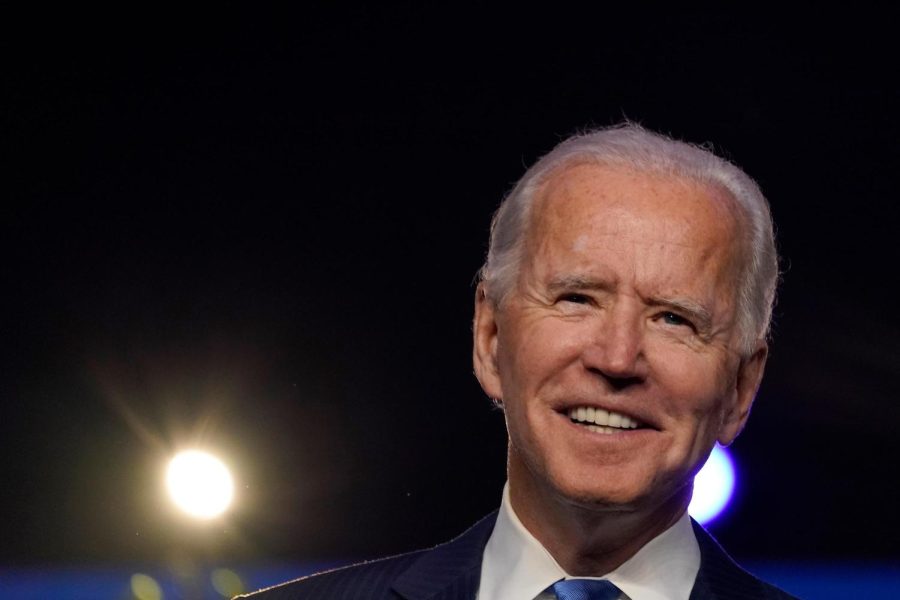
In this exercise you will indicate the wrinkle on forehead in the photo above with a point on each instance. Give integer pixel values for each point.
(709, 204)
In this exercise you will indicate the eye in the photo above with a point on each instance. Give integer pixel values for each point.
(574, 298)
(670, 318)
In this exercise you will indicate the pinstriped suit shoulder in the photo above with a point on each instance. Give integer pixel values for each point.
(452, 571)
(720, 578)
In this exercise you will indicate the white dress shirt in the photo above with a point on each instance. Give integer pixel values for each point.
(517, 567)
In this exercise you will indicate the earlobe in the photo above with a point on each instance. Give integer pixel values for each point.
(484, 347)
(749, 376)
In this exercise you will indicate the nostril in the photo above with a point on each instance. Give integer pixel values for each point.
(618, 383)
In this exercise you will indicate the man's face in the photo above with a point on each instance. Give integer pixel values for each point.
(615, 354)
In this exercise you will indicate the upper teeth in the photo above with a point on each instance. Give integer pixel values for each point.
(599, 416)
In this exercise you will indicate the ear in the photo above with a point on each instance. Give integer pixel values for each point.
(749, 376)
(484, 347)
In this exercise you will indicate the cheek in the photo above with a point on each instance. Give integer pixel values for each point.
(534, 354)
(530, 369)
(695, 386)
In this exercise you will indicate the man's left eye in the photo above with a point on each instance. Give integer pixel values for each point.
(671, 318)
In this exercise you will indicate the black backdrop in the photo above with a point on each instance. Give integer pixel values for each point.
(262, 238)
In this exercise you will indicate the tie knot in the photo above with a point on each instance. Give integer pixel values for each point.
(585, 589)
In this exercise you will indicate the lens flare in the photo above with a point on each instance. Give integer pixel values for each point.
(199, 484)
(227, 583)
(144, 587)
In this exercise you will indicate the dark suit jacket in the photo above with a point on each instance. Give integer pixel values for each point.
(451, 571)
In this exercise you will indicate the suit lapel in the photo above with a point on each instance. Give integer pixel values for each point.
(720, 578)
(450, 571)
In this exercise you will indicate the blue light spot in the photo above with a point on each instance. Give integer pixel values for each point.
(713, 486)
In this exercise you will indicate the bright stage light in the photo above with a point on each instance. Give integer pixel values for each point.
(199, 484)
(713, 486)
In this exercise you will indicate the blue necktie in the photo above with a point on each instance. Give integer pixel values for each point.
(585, 589)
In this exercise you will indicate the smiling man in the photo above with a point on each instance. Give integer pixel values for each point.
(621, 324)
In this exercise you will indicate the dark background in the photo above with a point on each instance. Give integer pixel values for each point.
(261, 238)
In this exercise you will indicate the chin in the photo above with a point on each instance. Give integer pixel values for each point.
(620, 489)
(601, 493)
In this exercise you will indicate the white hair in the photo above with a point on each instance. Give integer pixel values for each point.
(631, 146)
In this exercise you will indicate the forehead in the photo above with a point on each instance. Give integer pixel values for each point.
(585, 203)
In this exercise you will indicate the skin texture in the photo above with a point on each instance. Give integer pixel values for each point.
(624, 301)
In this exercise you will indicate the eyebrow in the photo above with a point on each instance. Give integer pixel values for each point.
(699, 314)
(578, 282)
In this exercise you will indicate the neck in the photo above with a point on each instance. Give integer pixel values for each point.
(589, 540)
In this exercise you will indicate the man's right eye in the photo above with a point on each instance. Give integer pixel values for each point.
(574, 298)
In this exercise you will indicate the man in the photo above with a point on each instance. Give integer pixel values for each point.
(621, 324)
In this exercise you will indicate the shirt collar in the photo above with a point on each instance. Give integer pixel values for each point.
(517, 566)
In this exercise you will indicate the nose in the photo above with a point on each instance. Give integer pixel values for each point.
(615, 349)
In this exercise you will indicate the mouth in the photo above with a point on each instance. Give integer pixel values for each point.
(600, 420)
